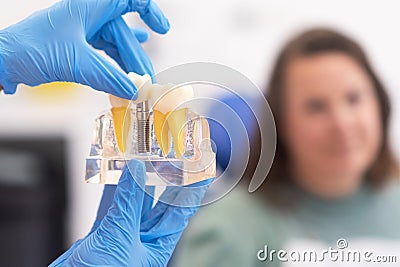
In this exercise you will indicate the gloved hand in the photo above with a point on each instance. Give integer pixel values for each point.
(55, 44)
(131, 232)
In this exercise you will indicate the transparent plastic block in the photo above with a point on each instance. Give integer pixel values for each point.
(105, 163)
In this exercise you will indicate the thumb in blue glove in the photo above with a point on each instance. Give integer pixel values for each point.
(132, 233)
(55, 44)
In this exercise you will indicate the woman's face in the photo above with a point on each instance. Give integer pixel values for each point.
(331, 123)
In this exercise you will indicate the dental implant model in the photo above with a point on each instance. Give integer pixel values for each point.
(158, 128)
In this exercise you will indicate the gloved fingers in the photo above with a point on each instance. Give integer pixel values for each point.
(172, 218)
(152, 15)
(141, 34)
(169, 197)
(105, 40)
(162, 204)
(205, 183)
(96, 13)
(148, 202)
(117, 237)
(122, 222)
(9, 88)
(105, 204)
(111, 50)
(132, 55)
(96, 72)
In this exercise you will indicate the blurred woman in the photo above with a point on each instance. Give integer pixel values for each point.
(334, 176)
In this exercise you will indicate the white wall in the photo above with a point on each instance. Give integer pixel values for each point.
(244, 34)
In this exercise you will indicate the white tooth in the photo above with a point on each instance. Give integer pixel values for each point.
(121, 119)
(176, 121)
(144, 85)
(165, 97)
(171, 103)
(117, 102)
(169, 97)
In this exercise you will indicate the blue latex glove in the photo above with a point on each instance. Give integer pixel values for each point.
(131, 232)
(56, 44)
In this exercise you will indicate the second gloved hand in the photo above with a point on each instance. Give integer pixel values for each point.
(131, 232)
(56, 44)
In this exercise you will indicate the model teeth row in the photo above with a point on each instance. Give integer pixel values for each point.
(169, 104)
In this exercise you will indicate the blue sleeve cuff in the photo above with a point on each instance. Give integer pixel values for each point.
(60, 261)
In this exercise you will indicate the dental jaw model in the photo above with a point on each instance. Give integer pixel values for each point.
(158, 128)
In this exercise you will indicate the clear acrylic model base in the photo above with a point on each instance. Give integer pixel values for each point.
(112, 147)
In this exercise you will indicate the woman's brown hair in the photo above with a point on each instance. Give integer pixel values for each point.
(312, 42)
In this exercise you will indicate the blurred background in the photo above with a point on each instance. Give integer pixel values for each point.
(45, 134)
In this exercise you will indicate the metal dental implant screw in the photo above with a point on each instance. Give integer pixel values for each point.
(143, 127)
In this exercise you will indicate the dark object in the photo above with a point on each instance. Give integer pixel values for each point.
(32, 201)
